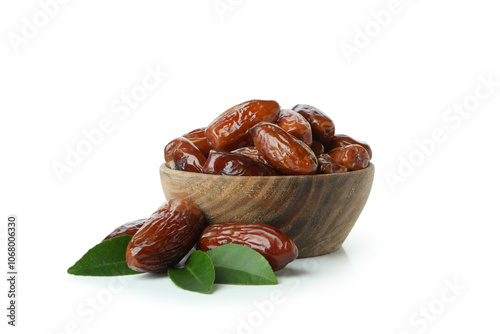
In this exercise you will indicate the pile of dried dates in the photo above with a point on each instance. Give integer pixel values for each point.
(258, 138)
(160, 242)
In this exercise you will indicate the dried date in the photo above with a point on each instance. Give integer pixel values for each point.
(296, 125)
(199, 139)
(327, 166)
(235, 164)
(166, 237)
(251, 152)
(353, 157)
(283, 151)
(229, 131)
(344, 140)
(274, 245)
(182, 154)
(317, 148)
(322, 126)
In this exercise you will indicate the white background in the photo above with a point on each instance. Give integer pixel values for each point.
(436, 226)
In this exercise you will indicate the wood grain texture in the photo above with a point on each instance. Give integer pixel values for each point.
(316, 211)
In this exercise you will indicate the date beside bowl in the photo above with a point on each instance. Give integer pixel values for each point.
(316, 211)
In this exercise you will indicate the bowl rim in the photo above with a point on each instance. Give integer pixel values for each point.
(167, 170)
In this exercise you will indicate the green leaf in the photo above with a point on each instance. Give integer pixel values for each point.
(105, 259)
(198, 274)
(238, 264)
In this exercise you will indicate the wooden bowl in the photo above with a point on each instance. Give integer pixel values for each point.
(316, 211)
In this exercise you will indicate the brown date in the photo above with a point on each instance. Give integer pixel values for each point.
(296, 125)
(199, 139)
(317, 148)
(166, 237)
(129, 228)
(229, 131)
(344, 140)
(327, 166)
(322, 126)
(251, 152)
(235, 164)
(274, 245)
(283, 151)
(168, 153)
(182, 154)
(353, 157)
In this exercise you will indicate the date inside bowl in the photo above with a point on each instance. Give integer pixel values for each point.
(259, 163)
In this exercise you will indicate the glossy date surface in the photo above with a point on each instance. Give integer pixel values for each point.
(317, 148)
(274, 245)
(283, 151)
(235, 164)
(199, 139)
(229, 131)
(166, 237)
(182, 154)
(344, 140)
(251, 152)
(327, 166)
(353, 157)
(296, 125)
(289, 141)
(322, 126)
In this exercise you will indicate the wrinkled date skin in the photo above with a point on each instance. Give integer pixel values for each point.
(182, 154)
(283, 151)
(166, 237)
(274, 245)
(344, 140)
(353, 157)
(327, 166)
(229, 131)
(322, 126)
(129, 228)
(251, 152)
(235, 164)
(296, 125)
(317, 148)
(199, 139)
